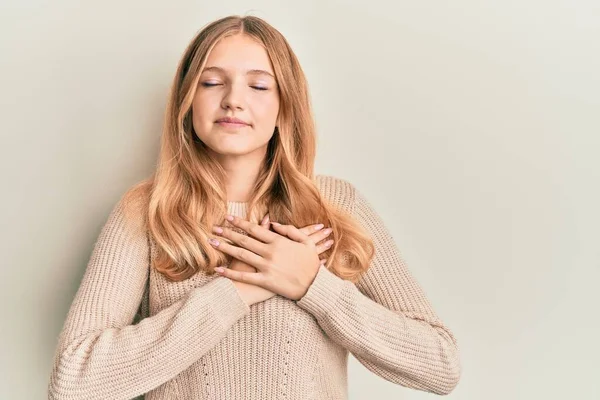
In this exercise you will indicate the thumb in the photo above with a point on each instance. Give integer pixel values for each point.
(265, 223)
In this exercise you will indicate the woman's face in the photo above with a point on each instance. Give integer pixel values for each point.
(237, 82)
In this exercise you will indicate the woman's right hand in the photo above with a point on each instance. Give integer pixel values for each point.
(253, 294)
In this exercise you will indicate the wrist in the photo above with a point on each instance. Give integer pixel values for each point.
(245, 294)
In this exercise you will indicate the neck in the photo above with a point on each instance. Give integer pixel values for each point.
(241, 172)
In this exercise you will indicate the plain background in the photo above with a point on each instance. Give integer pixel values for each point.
(472, 127)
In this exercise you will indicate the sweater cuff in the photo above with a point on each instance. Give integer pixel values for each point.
(323, 294)
(225, 300)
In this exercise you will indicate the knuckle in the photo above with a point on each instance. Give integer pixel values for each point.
(252, 229)
(244, 241)
(269, 254)
(241, 254)
(268, 266)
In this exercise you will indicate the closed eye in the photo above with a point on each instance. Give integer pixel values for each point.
(209, 84)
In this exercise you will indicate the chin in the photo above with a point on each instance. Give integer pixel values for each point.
(232, 150)
(233, 145)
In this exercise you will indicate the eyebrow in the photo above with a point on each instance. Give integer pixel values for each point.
(248, 72)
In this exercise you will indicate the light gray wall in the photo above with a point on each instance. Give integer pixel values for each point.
(473, 127)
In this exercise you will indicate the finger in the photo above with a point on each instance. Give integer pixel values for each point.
(244, 241)
(254, 278)
(320, 235)
(323, 261)
(240, 266)
(323, 247)
(253, 229)
(240, 253)
(265, 223)
(292, 232)
(311, 229)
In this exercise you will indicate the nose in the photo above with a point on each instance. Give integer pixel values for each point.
(233, 98)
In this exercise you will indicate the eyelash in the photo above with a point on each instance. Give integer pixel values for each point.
(208, 84)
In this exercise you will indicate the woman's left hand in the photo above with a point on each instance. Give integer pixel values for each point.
(286, 260)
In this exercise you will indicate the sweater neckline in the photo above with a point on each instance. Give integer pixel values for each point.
(237, 208)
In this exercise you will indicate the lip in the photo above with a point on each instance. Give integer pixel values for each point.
(230, 125)
(229, 121)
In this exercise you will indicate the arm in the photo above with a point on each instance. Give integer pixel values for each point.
(385, 320)
(102, 354)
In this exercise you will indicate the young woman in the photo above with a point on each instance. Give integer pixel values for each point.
(311, 272)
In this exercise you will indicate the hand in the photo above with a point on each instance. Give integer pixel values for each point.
(286, 261)
(255, 294)
(251, 293)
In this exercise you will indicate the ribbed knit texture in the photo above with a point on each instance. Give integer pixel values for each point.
(131, 332)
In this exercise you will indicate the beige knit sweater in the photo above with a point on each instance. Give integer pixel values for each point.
(130, 332)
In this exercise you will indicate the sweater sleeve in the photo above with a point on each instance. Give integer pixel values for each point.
(104, 352)
(385, 320)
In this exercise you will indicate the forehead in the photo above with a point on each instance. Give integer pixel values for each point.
(239, 52)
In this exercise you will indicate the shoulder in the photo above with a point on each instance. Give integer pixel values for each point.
(132, 207)
(347, 196)
(333, 183)
(337, 191)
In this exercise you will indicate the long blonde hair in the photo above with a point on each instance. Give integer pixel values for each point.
(185, 197)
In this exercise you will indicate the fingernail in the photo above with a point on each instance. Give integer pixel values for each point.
(220, 269)
(328, 243)
(265, 219)
(229, 218)
(217, 229)
(214, 242)
(320, 226)
(327, 231)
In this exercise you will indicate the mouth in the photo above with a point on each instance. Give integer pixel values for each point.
(232, 125)
(232, 120)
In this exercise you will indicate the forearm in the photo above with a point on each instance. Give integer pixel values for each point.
(95, 362)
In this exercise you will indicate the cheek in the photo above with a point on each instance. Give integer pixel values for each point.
(268, 110)
(203, 109)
